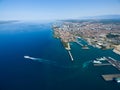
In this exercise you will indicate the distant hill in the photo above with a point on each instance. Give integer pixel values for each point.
(103, 17)
(9, 21)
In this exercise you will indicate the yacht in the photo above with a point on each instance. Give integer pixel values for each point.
(96, 62)
(117, 80)
(101, 59)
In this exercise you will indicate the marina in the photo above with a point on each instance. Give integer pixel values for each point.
(99, 61)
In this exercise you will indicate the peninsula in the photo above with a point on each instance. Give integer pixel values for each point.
(103, 34)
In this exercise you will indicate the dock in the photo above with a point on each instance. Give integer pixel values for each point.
(102, 64)
(70, 55)
(110, 77)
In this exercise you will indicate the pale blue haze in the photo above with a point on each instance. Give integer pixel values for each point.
(56, 9)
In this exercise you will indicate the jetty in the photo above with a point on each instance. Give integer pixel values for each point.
(70, 55)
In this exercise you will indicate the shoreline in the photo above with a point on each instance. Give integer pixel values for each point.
(68, 46)
(117, 50)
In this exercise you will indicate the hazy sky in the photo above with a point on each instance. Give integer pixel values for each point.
(56, 9)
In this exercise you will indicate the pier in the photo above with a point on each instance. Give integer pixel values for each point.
(70, 55)
(114, 63)
(79, 43)
(110, 77)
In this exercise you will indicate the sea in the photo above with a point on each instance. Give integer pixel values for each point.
(52, 68)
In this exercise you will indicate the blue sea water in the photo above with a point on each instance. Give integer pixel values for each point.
(55, 70)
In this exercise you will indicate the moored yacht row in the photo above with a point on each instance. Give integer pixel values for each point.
(99, 60)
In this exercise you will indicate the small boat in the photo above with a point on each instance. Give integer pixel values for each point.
(101, 59)
(117, 80)
(96, 62)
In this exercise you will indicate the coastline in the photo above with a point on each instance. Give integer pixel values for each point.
(117, 50)
(68, 46)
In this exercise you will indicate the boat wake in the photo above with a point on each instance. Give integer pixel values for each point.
(51, 62)
(40, 60)
(85, 64)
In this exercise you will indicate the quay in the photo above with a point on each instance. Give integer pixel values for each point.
(70, 55)
(110, 77)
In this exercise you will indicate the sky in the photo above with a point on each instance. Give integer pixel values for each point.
(56, 9)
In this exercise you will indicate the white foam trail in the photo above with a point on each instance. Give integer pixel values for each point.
(39, 60)
(85, 64)
(51, 62)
